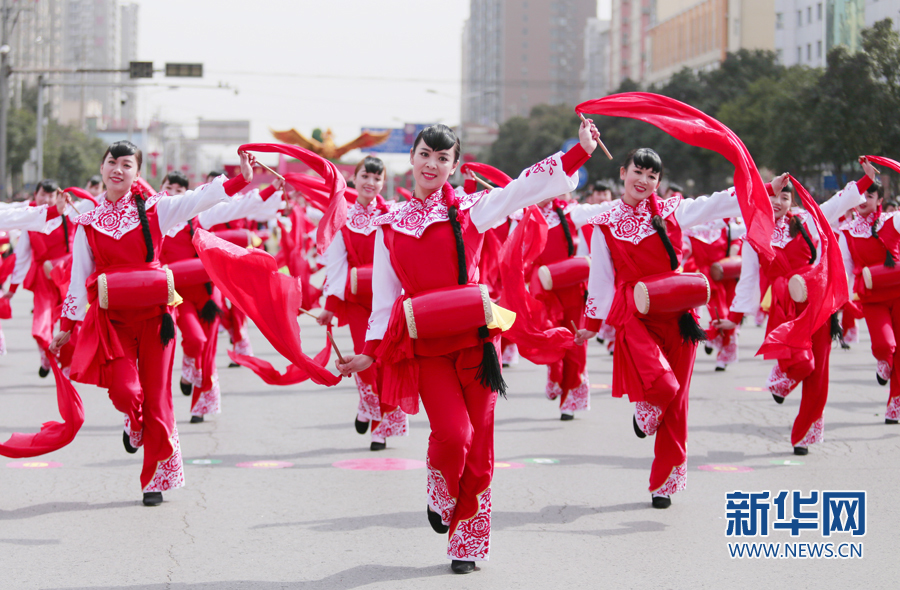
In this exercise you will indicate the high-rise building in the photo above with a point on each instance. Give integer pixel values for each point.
(521, 53)
(631, 19)
(596, 59)
(35, 44)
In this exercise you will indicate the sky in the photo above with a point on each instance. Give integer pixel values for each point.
(343, 64)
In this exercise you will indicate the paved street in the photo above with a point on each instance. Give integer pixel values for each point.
(570, 504)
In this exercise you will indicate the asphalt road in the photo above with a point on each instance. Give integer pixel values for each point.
(571, 508)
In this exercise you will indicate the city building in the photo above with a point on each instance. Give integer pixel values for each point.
(596, 59)
(630, 21)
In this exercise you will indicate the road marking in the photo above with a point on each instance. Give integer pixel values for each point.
(380, 464)
(265, 464)
(33, 464)
(725, 468)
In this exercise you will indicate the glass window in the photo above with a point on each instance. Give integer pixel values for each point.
(779, 20)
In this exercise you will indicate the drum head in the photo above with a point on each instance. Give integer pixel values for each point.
(642, 298)
(797, 289)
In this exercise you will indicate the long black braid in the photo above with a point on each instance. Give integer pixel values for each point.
(145, 227)
(797, 226)
(463, 276)
(65, 223)
(888, 257)
(566, 229)
(659, 224)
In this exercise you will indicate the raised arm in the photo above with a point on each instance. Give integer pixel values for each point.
(23, 218)
(23, 262)
(718, 205)
(386, 288)
(746, 295)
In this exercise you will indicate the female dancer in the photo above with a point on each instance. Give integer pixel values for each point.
(639, 237)
(34, 248)
(125, 234)
(432, 242)
(352, 250)
(797, 246)
(871, 240)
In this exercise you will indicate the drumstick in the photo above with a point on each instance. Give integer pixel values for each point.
(483, 183)
(574, 327)
(264, 167)
(336, 351)
(315, 317)
(599, 142)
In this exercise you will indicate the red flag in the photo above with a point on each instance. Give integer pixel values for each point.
(336, 213)
(53, 435)
(498, 177)
(687, 124)
(882, 161)
(251, 281)
(826, 284)
(316, 190)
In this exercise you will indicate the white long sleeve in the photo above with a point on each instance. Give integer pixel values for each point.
(848, 259)
(75, 305)
(530, 188)
(175, 209)
(718, 205)
(746, 294)
(336, 268)
(602, 278)
(240, 207)
(842, 202)
(23, 218)
(386, 288)
(24, 255)
(581, 213)
(583, 249)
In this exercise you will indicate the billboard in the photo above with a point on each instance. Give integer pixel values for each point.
(400, 141)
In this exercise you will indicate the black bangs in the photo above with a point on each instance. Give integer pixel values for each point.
(177, 177)
(645, 158)
(439, 137)
(372, 165)
(876, 187)
(48, 186)
(788, 188)
(124, 148)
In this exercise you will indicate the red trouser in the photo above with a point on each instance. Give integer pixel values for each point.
(567, 378)
(141, 389)
(47, 311)
(199, 342)
(386, 420)
(460, 448)
(194, 333)
(810, 367)
(881, 318)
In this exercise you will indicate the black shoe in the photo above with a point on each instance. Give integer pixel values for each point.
(152, 498)
(600, 340)
(196, 419)
(458, 566)
(128, 448)
(361, 426)
(708, 349)
(233, 365)
(889, 421)
(42, 372)
(801, 451)
(661, 502)
(434, 519)
(566, 417)
(844, 345)
(637, 429)
(880, 380)
(778, 399)
(505, 365)
(718, 368)
(186, 388)
(377, 446)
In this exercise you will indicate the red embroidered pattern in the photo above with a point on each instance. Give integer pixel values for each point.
(782, 233)
(729, 353)
(169, 473)
(579, 398)
(647, 416)
(471, 541)
(359, 218)
(69, 309)
(550, 215)
(553, 390)
(369, 405)
(550, 163)
(190, 372)
(590, 308)
(861, 227)
(439, 497)
(893, 408)
(115, 219)
(135, 438)
(394, 423)
(676, 482)
(779, 383)
(242, 346)
(413, 217)
(884, 370)
(209, 401)
(632, 224)
(815, 435)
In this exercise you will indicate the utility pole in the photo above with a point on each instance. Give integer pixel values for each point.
(4, 95)
(39, 144)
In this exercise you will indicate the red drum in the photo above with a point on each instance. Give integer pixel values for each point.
(671, 293)
(238, 237)
(134, 289)
(565, 273)
(726, 269)
(448, 312)
(361, 281)
(881, 276)
(797, 289)
(60, 264)
(188, 272)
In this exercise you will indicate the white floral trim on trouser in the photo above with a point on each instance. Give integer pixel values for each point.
(439, 498)
(210, 401)
(606, 332)
(816, 434)
(676, 481)
(471, 541)
(510, 355)
(190, 372)
(728, 354)
(243, 347)
(369, 406)
(778, 383)
(851, 336)
(45, 362)
(394, 423)
(135, 437)
(647, 416)
(578, 398)
(169, 473)
(2, 343)
(884, 370)
(893, 408)
(553, 390)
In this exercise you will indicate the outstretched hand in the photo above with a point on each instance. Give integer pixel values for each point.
(588, 135)
(868, 168)
(248, 160)
(354, 364)
(60, 340)
(582, 336)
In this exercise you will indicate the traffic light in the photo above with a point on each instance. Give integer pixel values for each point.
(184, 70)
(140, 69)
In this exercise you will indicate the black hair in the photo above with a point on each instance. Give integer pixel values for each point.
(372, 165)
(876, 187)
(215, 173)
(676, 188)
(177, 177)
(94, 180)
(124, 148)
(47, 185)
(645, 158)
(601, 186)
(788, 188)
(890, 204)
(798, 227)
(566, 229)
(439, 137)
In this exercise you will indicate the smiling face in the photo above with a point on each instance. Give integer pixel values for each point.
(639, 183)
(42, 197)
(781, 203)
(871, 204)
(368, 184)
(431, 168)
(119, 173)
